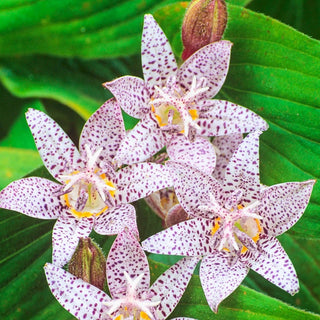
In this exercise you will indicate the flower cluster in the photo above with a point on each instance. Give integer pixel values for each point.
(211, 186)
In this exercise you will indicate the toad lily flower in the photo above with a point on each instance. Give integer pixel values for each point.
(173, 100)
(128, 278)
(233, 225)
(90, 193)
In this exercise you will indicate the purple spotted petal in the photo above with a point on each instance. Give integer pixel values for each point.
(188, 238)
(199, 154)
(132, 95)
(193, 188)
(242, 171)
(282, 205)
(274, 265)
(224, 118)
(158, 61)
(58, 153)
(170, 286)
(142, 142)
(33, 197)
(225, 147)
(104, 129)
(219, 279)
(114, 220)
(126, 255)
(140, 180)
(210, 62)
(65, 236)
(81, 299)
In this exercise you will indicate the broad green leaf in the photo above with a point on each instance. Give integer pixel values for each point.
(305, 257)
(300, 14)
(239, 2)
(63, 80)
(16, 162)
(244, 303)
(18, 154)
(88, 29)
(26, 247)
(275, 71)
(74, 83)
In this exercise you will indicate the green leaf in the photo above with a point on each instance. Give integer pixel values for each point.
(275, 71)
(239, 2)
(26, 247)
(305, 257)
(91, 29)
(244, 303)
(74, 83)
(18, 154)
(63, 80)
(300, 14)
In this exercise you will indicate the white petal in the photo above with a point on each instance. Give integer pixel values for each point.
(81, 299)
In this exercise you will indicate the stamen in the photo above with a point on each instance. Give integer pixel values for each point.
(216, 226)
(131, 303)
(92, 158)
(174, 96)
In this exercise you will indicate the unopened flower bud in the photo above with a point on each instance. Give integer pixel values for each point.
(204, 22)
(88, 263)
(166, 205)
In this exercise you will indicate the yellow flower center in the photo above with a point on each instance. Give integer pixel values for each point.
(161, 114)
(94, 205)
(248, 225)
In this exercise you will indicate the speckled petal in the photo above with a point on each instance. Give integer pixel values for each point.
(274, 265)
(188, 238)
(81, 299)
(225, 147)
(242, 171)
(193, 188)
(158, 61)
(140, 180)
(224, 118)
(282, 205)
(104, 129)
(65, 236)
(210, 62)
(56, 149)
(219, 279)
(114, 220)
(126, 255)
(170, 286)
(140, 143)
(33, 197)
(132, 95)
(199, 154)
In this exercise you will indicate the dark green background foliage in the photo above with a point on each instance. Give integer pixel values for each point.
(54, 55)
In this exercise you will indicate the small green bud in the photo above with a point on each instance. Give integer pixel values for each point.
(88, 263)
(204, 23)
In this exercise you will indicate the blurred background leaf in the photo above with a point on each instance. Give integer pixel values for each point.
(76, 28)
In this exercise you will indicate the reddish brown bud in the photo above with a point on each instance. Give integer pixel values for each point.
(166, 205)
(88, 263)
(204, 22)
